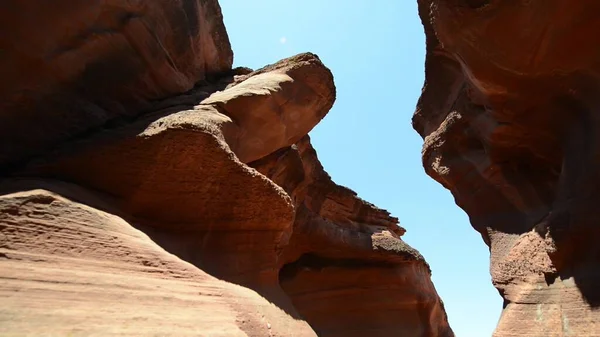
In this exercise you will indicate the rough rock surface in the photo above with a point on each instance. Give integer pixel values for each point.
(71, 270)
(346, 261)
(508, 114)
(69, 66)
(148, 188)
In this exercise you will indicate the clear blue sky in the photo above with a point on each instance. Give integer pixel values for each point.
(376, 51)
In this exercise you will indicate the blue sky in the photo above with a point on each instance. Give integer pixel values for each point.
(376, 51)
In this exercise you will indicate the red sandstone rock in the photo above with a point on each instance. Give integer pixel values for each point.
(70, 269)
(508, 117)
(275, 106)
(175, 172)
(241, 230)
(346, 268)
(69, 66)
(183, 174)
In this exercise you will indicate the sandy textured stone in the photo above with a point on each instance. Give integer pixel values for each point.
(346, 269)
(70, 269)
(276, 106)
(149, 189)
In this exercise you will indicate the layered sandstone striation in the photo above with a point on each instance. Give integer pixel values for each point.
(508, 115)
(70, 269)
(149, 188)
(346, 269)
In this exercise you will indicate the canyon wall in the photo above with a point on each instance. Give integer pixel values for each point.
(508, 118)
(148, 188)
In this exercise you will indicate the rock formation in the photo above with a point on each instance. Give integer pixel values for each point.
(508, 117)
(149, 188)
(70, 269)
(345, 268)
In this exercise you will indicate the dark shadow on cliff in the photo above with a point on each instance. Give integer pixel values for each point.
(187, 246)
(575, 253)
(586, 278)
(175, 243)
(355, 297)
(178, 238)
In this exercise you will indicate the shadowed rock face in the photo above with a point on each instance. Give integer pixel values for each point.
(146, 187)
(508, 114)
(71, 66)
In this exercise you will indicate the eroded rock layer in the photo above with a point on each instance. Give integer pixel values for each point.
(70, 269)
(148, 188)
(346, 269)
(508, 114)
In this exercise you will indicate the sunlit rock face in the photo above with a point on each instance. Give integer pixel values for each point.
(148, 188)
(509, 121)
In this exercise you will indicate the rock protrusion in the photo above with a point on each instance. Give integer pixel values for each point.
(508, 116)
